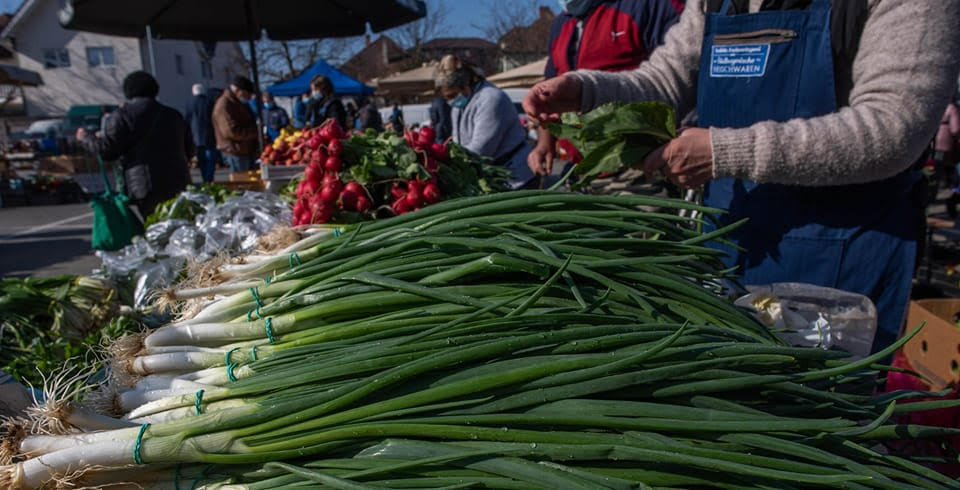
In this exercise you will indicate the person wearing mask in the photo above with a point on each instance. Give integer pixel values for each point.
(809, 129)
(606, 35)
(946, 150)
(275, 117)
(368, 117)
(300, 110)
(324, 104)
(484, 118)
(235, 127)
(199, 116)
(151, 141)
(440, 118)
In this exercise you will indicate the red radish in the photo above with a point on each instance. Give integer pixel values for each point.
(310, 188)
(330, 177)
(301, 187)
(331, 191)
(431, 193)
(313, 172)
(428, 133)
(413, 195)
(332, 164)
(335, 148)
(396, 191)
(410, 137)
(440, 152)
(348, 200)
(400, 206)
(355, 187)
(431, 165)
(363, 204)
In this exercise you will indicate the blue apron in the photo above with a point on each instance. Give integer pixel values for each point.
(777, 66)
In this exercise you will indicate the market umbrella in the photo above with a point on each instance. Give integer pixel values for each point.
(232, 20)
(14, 75)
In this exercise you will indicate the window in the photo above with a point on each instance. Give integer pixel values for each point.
(206, 70)
(178, 61)
(101, 56)
(56, 58)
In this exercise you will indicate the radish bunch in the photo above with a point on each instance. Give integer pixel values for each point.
(322, 193)
(304, 146)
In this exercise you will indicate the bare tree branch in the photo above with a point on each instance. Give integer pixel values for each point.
(413, 35)
(282, 60)
(504, 15)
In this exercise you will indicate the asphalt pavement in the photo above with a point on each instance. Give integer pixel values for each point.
(44, 241)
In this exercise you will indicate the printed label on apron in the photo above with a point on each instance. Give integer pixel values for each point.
(739, 60)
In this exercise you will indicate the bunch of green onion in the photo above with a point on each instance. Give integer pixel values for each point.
(525, 340)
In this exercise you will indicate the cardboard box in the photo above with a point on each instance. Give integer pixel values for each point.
(245, 176)
(935, 351)
(67, 165)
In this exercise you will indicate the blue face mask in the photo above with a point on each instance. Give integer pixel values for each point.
(316, 95)
(575, 7)
(268, 105)
(459, 101)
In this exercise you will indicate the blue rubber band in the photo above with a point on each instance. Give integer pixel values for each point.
(254, 353)
(198, 402)
(226, 357)
(294, 257)
(137, 458)
(268, 325)
(337, 232)
(230, 375)
(267, 280)
(249, 319)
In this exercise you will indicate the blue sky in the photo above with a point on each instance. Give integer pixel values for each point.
(9, 5)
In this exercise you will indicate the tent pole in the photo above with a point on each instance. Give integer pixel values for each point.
(256, 72)
(153, 56)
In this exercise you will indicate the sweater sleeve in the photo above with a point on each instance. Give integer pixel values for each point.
(488, 124)
(670, 75)
(902, 76)
(114, 142)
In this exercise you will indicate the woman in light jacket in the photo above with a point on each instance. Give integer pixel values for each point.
(485, 120)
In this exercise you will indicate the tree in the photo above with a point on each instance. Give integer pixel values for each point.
(282, 60)
(413, 35)
(504, 15)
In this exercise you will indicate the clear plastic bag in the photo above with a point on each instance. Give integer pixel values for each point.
(814, 316)
(158, 234)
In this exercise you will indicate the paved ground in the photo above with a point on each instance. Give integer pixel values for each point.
(43, 241)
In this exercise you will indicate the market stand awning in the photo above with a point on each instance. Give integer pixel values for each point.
(523, 76)
(228, 20)
(418, 81)
(14, 75)
(343, 84)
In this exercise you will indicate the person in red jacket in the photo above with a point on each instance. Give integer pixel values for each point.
(607, 35)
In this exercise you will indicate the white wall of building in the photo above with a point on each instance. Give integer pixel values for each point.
(82, 84)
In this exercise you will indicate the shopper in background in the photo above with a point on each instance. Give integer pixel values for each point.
(440, 118)
(300, 110)
(199, 116)
(484, 118)
(235, 127)
(275, 117)
(606, 35)
(324, 103)
(368, 117)
(396, 119)
(151, 141)
(946, 153)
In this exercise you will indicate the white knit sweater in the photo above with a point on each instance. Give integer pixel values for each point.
(904, 72)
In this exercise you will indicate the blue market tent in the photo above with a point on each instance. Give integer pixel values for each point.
(343, 84)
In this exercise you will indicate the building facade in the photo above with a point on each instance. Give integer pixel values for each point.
(82, 68)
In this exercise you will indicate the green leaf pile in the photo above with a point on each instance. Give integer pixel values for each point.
(616, 135)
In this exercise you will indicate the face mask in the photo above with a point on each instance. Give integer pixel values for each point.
(459, 101)
(575, 7)
(316, 95)
(268, 105)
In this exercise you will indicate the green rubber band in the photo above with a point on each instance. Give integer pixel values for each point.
(230, 368)
(267, 280)
(203, 474)
(337, 232)
(294, 257)
(176, 477)
(256, 297)
(198, 402)
(226, 357)
(137, 458)
(254, 353)
(268, 325)
(248, 315)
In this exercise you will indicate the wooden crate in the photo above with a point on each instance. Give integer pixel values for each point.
(935, 351)
(281, 172)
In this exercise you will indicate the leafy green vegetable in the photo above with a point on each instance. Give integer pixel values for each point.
(176, 208)
(616, 135)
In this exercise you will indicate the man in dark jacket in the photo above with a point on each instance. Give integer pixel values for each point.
(275, 117)
(151, 140)
(324, 103)
(440, 118)
(235, 127)
(199, 117)
(368, 117)
(606, 35)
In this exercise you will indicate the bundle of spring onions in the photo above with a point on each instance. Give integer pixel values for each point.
(522, 341)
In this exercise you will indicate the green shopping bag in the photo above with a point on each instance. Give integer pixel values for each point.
(114, 224)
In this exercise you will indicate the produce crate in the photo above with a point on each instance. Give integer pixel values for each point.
(245, 176)
(935, 351)
(255, 185)
(281, 172)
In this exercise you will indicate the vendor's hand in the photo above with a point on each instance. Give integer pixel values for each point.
(540, 159)
(81, 134)
(687, 160)
(549, 98)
